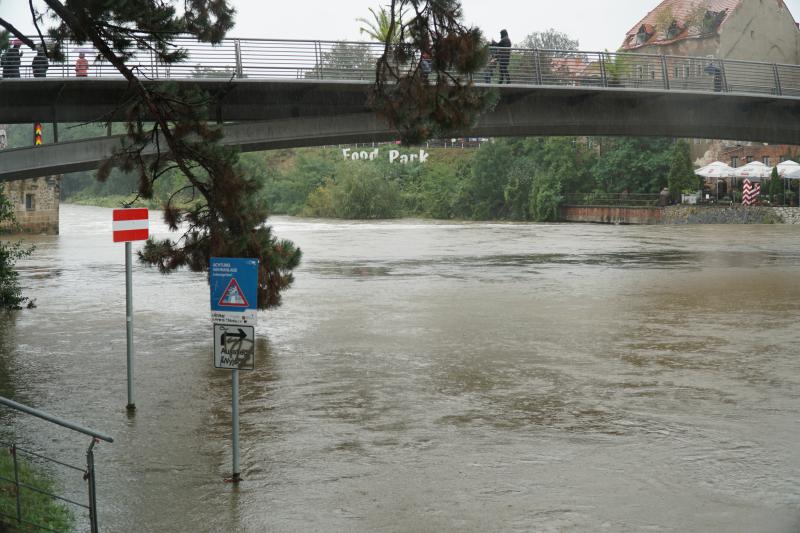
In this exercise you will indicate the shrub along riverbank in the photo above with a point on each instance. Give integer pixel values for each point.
(504, 179)
(36, 508)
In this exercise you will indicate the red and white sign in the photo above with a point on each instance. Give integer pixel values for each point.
(131, 225)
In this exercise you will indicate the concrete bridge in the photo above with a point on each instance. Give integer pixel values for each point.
(275, 94)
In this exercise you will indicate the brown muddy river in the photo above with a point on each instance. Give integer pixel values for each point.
(430, 377)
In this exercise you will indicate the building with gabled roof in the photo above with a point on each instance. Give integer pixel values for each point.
(755, 30)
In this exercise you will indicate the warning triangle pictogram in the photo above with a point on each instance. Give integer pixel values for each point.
(233, 296)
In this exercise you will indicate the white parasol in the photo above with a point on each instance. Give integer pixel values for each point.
(754, 171)
(717, 169)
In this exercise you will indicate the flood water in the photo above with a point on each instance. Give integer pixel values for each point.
(429, 377)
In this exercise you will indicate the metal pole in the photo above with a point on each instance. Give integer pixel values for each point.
(778, 89)
(16, 482)
(92, 487)
(603, 71)
(238, 51)
(235, 422)
(129, 323)
(724, 76)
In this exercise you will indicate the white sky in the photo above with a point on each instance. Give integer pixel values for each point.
(597, 24)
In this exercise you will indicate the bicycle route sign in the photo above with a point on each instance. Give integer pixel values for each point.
(234, 347)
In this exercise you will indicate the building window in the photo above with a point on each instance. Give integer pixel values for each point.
(30, 205)
(765, 160)
(734, 161)
(748, 159)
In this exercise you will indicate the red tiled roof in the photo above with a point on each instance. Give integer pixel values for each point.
(680, 11)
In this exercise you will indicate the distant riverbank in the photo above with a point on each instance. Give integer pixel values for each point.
(678, 214)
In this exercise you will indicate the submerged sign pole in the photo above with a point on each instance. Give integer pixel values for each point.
(235, 424)
(234, 294)
(129, 323)
(130, 225)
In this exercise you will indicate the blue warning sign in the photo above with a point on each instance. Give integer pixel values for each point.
(234, 290)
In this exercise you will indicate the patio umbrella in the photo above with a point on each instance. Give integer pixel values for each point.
(717, 169)
(788, 167)
(754, 171)
(792, 174)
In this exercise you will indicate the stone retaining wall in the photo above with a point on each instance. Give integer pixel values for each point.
(790, 215)
(683, 214)
(680, 214)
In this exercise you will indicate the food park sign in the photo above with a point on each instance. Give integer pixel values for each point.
(394, 156)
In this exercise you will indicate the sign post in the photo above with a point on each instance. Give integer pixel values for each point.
(234, 295)
(130, 225)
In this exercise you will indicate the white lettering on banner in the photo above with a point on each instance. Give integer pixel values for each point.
(394, 156)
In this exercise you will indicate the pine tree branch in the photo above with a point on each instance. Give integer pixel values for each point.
(18, 34)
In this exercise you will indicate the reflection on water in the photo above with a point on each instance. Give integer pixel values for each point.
(435, 377)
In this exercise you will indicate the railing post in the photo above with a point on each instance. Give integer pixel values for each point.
(778, 89)
(92, 489)
(538, 67)
(603, 76)
(238, 48)
(317, 54)
(665, 72)
(16, 482)
(724, 76)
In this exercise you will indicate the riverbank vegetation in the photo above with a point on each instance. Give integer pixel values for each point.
(10, 291)
(503, 179)
(36, 507)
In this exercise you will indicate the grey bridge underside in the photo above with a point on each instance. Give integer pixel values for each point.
(280, 114)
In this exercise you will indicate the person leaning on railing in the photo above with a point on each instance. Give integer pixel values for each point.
(40, 64)
(82, 66)
(11, 60)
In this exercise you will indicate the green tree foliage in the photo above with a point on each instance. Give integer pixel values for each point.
(633, 164)
(550, 40)
(681, 177)
(505, 179)
(775, 186)
(362, 192)
(10, 290)
(380, 27)
(345, 61)
(422, 105)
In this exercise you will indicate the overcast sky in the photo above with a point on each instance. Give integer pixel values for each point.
(597, 24)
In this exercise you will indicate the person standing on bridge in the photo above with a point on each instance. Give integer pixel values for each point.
(11, 60)
(40, 64)
(504, 56)
(82, 65)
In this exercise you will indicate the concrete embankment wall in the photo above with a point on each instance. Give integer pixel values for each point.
(680, 214)
(611, 215)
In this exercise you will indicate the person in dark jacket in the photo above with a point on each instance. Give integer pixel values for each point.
(11, 59)
(716, 72)
(504, 56)
(40, 64)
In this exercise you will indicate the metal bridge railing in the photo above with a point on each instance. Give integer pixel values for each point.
(22, 489)
(612, 199)
(345, 61)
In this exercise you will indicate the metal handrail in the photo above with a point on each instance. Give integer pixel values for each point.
(54, 419)
(87, 474)
(259, 58)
